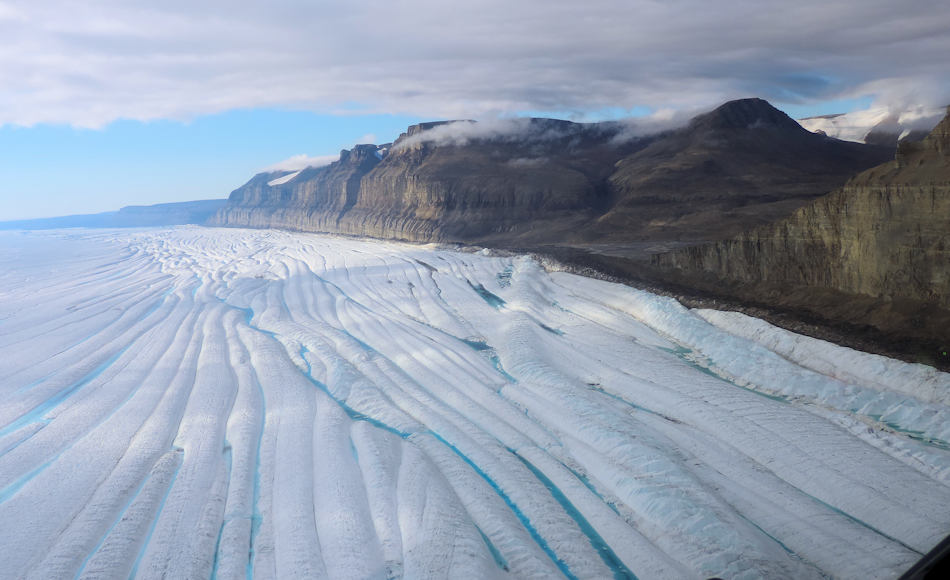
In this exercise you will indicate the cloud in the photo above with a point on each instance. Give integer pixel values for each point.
(523, 162)
(90, 63)
(298, 162)
(462, 132)
(656, 122)
(9, 12)
(515, 128)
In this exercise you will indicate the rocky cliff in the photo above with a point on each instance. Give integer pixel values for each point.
(434, 184)
(313, 199)
(543, 181)
(876, 251)
(536, 173)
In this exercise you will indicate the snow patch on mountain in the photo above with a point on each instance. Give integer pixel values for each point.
(283, 179)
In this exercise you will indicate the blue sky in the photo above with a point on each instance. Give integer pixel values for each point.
(108, 103)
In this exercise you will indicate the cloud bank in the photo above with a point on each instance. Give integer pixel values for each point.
(90, 63)
(464, 131)
(298, 162)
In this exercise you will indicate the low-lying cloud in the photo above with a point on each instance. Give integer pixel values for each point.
(494, 129)
(298, 162)
(90, 63)
(462, 132)
(657, 122)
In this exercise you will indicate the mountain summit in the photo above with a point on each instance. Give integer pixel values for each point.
(743, 164)
(746, 114)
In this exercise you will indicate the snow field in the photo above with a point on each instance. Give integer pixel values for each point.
(223, 403)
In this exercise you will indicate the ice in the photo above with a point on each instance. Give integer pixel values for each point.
(845, 364)
(856, 125)
(848, 127)
(197, 402)
(283, 179)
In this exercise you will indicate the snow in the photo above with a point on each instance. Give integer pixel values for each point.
(283, 179)
(197, 402)
(856, 125)
(847, 127)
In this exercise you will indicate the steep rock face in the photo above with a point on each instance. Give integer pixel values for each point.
(461, 188)
(314, 199)
(883, 238)
(442, 182)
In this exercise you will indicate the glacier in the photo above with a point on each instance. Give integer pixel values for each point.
(223, 403)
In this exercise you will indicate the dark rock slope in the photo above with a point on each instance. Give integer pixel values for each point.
(743, 164)
(876, 251)
(541, 181)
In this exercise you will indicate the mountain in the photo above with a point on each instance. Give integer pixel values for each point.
(881, 126)
(874, 252)
(163, 214)
(542, 181)
(743, 164)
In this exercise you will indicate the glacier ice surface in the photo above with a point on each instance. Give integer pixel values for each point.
(199, 402)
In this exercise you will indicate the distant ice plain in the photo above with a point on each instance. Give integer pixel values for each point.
(198, 402)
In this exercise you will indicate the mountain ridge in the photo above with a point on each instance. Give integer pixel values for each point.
(536, 179)
(162, 214)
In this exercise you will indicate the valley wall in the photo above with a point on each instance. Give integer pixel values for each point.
(876, 251)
